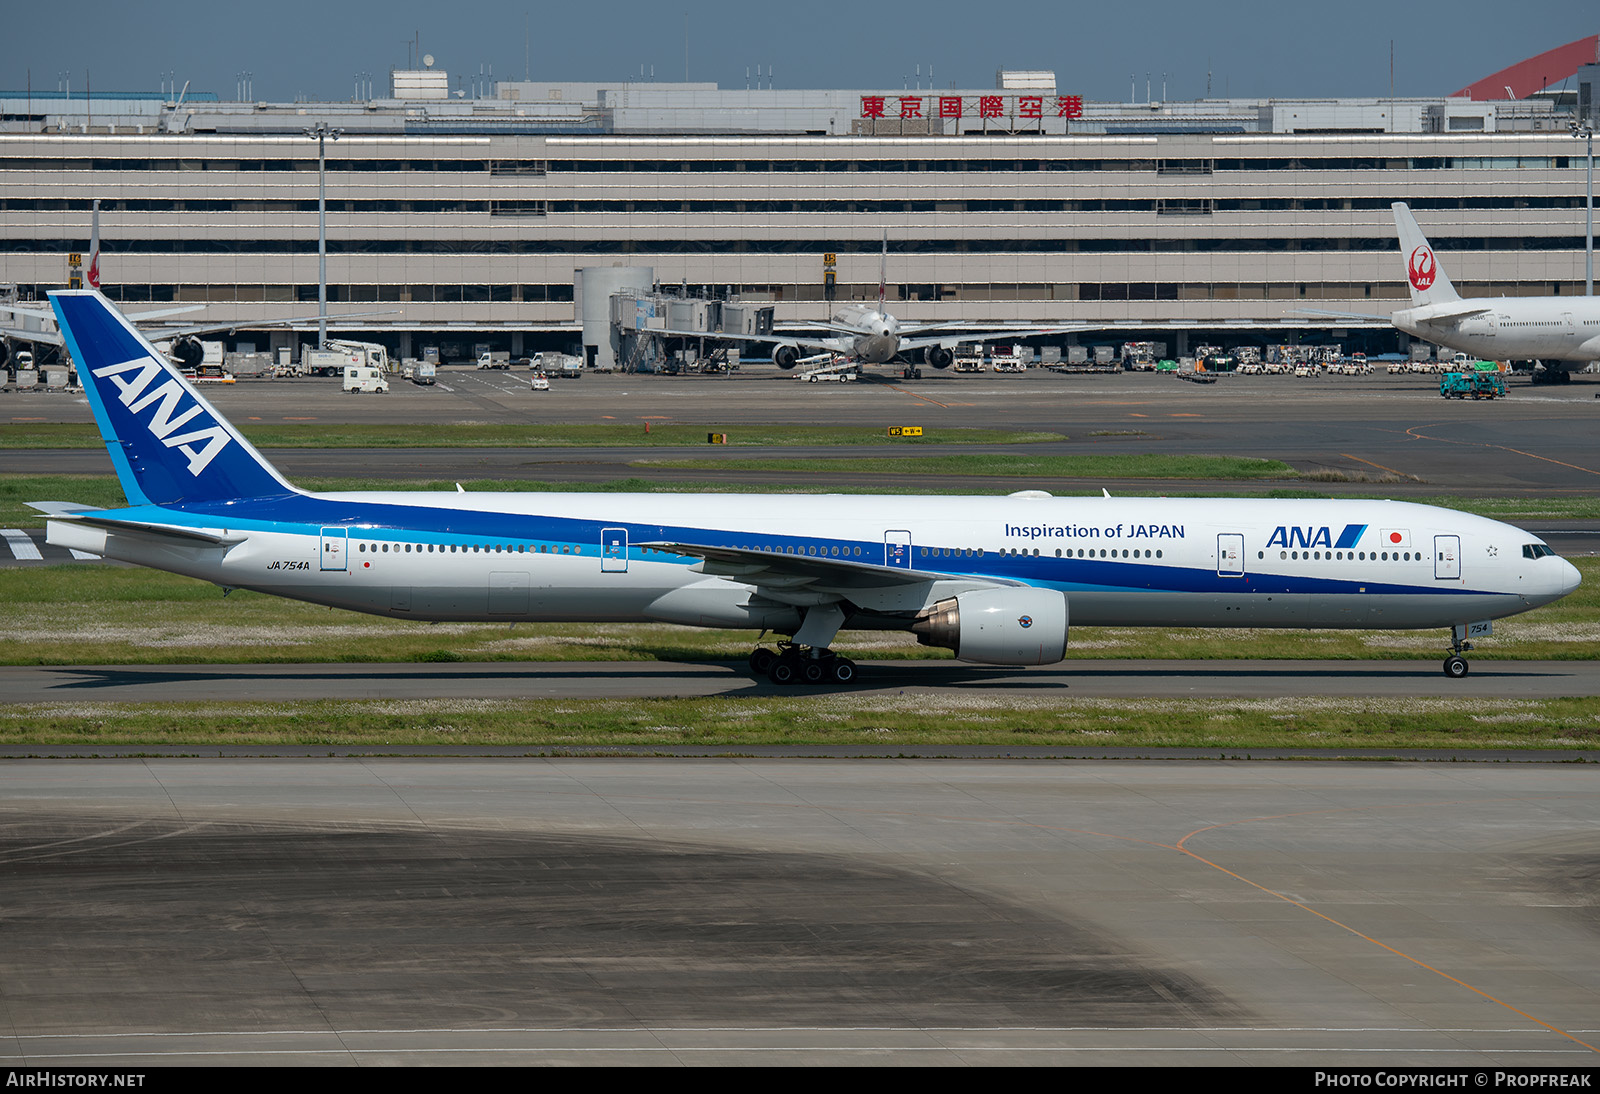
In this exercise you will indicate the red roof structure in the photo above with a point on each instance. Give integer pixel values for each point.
(1528, 77)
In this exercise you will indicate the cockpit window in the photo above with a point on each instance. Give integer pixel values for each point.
(1535, 550)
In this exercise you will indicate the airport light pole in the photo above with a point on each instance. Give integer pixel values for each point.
(322, 132)
(1585, 129)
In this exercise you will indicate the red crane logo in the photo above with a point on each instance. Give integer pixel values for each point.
(1422, 269)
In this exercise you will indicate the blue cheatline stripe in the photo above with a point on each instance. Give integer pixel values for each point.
(381, 522)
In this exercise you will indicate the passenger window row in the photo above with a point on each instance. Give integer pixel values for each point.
(471, 548)
(1348, 556)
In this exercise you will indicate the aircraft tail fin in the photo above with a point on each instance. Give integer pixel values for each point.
(1424, 276)
(168, 444)
(94, 248)
(883, 271)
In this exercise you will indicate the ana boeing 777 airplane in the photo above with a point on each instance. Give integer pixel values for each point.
(995, 579)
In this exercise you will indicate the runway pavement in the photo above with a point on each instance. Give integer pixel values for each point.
(602, 912)
(1538, 441)
(653, 679)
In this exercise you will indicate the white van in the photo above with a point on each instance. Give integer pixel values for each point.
(365, 378)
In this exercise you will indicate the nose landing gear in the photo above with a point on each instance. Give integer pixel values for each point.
(1455, 666)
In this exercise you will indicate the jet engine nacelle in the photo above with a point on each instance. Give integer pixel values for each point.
(188, 352)
(999, 626)
(786, 356)
(938, 356)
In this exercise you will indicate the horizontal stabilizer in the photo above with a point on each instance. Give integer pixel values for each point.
(189, 537)
(62, 508)
(1446, 313)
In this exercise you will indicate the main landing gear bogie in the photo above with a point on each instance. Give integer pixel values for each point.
(801, 665)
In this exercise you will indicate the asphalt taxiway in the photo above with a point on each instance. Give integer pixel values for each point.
(388, 911)
(1221, 679)
(1391, 434)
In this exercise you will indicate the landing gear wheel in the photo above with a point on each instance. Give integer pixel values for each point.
(782, 671)
(812, 671)
(761, 660)
(842, 670)
(1455, 666)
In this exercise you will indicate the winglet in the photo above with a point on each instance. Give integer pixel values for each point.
(1424, 276)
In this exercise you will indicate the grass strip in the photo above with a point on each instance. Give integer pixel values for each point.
(629, 434)
(1013, 465)
(828, 720)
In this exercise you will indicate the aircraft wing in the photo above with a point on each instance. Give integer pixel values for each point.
(970, 335)
(296, 322)
(23, 334)
(814, 579)
(14, 322)
(25, 324)
(826, 345)
(1341, 314)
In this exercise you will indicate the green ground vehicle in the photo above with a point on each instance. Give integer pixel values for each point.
(1471, 385)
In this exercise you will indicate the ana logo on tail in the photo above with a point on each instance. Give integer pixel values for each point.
(1422, 269)
(200, 445)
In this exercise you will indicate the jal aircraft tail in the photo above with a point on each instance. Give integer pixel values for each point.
(94, 248)
(1425, 277)
(883, 271)
(168, 444)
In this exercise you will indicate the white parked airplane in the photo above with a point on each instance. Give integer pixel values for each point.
(1560, 332)
(37, 325)
(994, 578)
(868, 335)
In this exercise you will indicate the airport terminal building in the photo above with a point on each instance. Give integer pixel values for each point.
(465, 216)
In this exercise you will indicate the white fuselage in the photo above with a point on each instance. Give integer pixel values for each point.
(878, 339)
(1130, 562)
(1535, 328)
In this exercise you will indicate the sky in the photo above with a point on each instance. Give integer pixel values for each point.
(1249, 48)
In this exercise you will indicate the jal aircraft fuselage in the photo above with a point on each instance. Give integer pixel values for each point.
(1551, 329)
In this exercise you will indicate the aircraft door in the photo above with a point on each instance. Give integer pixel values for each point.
(335, 542)
(613, 550)
(897, 549)
(1230, 555)
(1447, 558)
